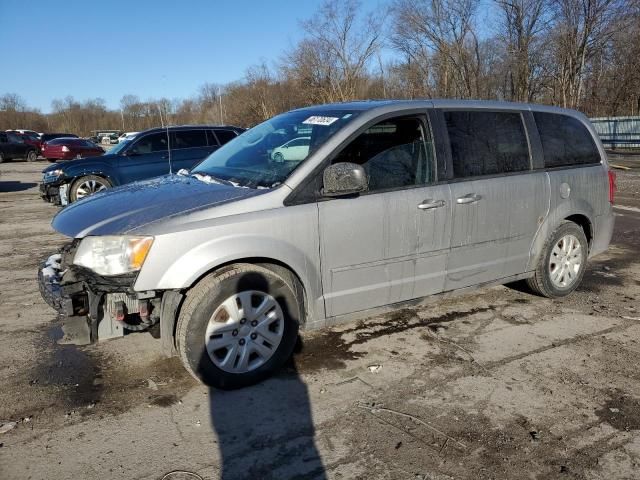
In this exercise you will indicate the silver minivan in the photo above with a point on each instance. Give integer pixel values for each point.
(391, 201)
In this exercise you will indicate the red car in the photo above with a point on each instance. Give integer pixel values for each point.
(70, 148)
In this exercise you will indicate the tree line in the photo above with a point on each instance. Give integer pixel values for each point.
(582, 54)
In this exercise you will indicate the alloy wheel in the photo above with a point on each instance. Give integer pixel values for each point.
(89, 187)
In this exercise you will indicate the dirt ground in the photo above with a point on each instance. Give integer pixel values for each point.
(493, 384)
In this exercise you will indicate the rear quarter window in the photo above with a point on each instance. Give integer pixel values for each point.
(565, 141)
(225, 135)
(189, 139)
(487, 143)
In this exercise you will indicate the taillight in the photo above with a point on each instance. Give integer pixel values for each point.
(65, 148)
(612, 186)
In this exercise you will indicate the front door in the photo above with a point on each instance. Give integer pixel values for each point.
(497, 200)
(390, 244)
(146, 158)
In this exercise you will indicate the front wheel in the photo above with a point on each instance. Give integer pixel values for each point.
(562, 263)
(239, 326)
(32, 156)
(88, 185)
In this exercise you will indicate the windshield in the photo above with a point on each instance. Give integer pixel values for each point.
(265, 155)
(120, 146)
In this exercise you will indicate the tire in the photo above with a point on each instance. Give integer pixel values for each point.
(87, 185)
(1, 157)
(32, 156)
(210, 296)
(278, 157)
(547, 281)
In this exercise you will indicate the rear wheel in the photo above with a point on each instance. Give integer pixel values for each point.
(563, 261)
(88, 185)
(239, 326)
(32, 156)
(1, 157)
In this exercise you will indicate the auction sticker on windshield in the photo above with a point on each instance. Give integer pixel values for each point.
(317, 120)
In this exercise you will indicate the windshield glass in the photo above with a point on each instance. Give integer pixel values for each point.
(265, 155)
(120, 146)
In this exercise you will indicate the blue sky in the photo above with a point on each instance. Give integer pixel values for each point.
(146, 48)
(152, 49)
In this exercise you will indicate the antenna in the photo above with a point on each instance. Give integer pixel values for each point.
(166, 126)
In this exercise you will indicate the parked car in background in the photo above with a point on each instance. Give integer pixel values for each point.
(395, 201)
(45, 137)
(127, 136)
(29, 138)
(70, 148)
(292, 151)
(144, 156)
(21, 130)
(106, 137)
(12, 147)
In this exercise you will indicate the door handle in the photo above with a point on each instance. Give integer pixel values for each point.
(429, 204)
(469, 198)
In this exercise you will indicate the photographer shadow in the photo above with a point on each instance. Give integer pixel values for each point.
(266, 431)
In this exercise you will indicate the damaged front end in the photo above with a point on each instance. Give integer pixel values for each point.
(97, 307)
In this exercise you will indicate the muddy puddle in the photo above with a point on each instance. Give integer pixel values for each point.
(331, 349)
(621, 411)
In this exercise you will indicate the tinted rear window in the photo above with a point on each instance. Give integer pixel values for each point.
(225, 135)
(487, 143)
(62, 141)
(189, 139)
(565, 141)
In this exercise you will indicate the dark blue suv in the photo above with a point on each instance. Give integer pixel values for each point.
(144, 156)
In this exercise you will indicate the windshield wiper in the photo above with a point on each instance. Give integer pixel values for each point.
(207, 178)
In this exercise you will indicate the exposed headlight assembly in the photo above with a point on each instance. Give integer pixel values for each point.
(113, 255)
(52, 175)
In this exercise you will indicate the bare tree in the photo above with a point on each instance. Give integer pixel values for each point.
(439, 36)
(582, 28)
(334, 57)
(523, 25)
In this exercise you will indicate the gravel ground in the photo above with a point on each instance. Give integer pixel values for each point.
(493, 384)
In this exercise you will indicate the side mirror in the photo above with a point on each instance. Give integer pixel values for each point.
(344, 179)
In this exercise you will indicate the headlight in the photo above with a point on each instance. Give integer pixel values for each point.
(113, 255)
(52, 175)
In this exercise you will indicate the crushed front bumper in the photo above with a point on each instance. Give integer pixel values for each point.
(50, 193)
(49, 277)
(56, 193)
(105, 305)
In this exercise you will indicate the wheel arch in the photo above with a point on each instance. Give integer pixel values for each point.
(170, 316)
(584, 223)
(73, 173)
(276, 266)
(579, 212)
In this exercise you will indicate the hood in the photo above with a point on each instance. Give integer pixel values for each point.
(123, 209)
(79, 162)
